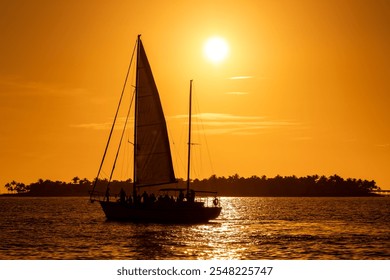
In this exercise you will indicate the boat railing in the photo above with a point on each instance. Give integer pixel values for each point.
(102, 196)
(95, 196)
(209, 201)
(206, 198)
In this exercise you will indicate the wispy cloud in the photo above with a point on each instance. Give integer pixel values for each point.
(215, 123)
(217, 116)
(386, 146)
(303, 138)
(14, 85)
(240, 77)
(103, 125)
(95, 126)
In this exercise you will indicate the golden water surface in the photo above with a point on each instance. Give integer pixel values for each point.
(248, 228)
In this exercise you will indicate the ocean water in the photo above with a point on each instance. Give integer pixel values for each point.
(247, 229)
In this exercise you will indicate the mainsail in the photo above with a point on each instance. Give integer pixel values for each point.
(152, 155)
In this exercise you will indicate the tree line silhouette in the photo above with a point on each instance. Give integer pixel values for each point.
(234, 185)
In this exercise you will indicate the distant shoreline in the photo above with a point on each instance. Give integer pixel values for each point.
(53, 196)
(232, 186)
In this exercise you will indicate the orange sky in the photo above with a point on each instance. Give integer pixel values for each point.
(313, 96)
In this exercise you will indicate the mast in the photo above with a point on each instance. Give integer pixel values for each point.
(189, 141)
(135, 118)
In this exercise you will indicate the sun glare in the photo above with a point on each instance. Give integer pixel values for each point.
(216, 49)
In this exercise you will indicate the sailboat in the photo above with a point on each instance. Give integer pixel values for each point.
(153, 165)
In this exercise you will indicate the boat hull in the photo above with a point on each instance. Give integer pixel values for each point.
(183, 214)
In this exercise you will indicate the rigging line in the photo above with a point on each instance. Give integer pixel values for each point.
(113, 125)
(121, 141)
(176, 147)
(204, 133)
(104, 173)
(125, 161)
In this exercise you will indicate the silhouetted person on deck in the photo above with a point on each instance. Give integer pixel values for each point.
(191, 196)
(129, 200)
(145, 197)
(138, 199)
(122, 196)
(107, 195)
(152, 198)
(181, 196)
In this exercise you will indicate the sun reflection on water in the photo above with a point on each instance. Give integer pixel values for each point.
(222, 238)
(248, 228)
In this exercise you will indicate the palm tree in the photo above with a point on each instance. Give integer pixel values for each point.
(9, 187)
(75, 180)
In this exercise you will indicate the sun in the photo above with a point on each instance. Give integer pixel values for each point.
(216, 49)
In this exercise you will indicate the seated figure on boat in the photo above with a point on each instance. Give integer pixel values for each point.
(122, 196)
(152, 198)
(191, 196)
(129, 200)
(145, 198)
(165, 200)
(107, 194)
(180, 198)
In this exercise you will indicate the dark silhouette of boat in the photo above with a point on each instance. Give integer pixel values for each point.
(177, 212)
(153, 164)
